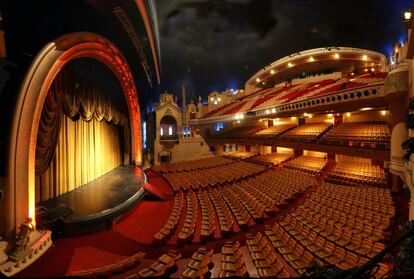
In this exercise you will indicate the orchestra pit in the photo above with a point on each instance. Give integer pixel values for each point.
(306, 170)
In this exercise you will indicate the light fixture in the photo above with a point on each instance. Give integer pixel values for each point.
(407, 15)
(277, 119)
(330, 115)
(364, 57)
(310, 115)
(290, 65)
(348, 114)
(267, 111)
(293, 117)
(257, 79)
(238, 121)
(272, 71)
(372, 70)
(260, 120)
(336, 56)
(311, 59)
(273, 110)
(383, 112)
(365, 109)
(366, 70)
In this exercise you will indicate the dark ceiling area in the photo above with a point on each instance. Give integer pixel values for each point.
(218, 44)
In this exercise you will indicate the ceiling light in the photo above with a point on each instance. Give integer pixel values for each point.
(364, 57)
(330, 114)
(336, 56)
(311, 59)
(365, 109)
(348, 114)
(383, 112)
(273, 110)
(267, 111)
(257, 79)
(272, 71)
(290, 64)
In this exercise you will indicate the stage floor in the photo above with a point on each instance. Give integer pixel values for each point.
(100, 197)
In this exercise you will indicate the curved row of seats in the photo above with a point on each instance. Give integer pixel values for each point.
(163, 266)
(309, 131)
(193, 165)
(246, 200)
(187, 231)
(270, 159)
(208, 224)
(171, 225)
(361, 174)
(360, 132)
(264, 257)
(112, 269)
(232, 261)
(272, 131)
(204, 178)
(310, 164)
(199, 264)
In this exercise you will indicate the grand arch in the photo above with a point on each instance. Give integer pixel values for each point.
(20, 196)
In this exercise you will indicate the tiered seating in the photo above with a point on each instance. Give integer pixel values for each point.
(242, 216)
(360, 134)
(309, 131)
(331, 228)
(239, 132)
(223, 213)
(187, 231)
(270, 159)
(277, 187)
(309, 164)
(193, 165)
(199, 264)
(208, 225)
(240, 155)
(112, 269)
(264, 257)
(211, 176)
(358, 174)
(169, 228)
(273, 131)
(162, 267)
(232, 261)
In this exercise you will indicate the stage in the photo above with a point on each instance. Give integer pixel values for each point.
(93, 206)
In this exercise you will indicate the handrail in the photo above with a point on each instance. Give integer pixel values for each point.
(370, 265)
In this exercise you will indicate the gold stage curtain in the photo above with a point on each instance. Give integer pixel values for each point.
(79, 136)
(85, 150)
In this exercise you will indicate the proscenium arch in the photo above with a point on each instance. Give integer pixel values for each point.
(20, 196)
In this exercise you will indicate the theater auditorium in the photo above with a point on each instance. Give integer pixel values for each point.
(305, 170)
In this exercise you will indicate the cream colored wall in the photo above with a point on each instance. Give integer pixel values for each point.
(285, 150)
(314, 153)
(265, 150)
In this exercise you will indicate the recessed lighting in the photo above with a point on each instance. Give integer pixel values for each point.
(365, 109)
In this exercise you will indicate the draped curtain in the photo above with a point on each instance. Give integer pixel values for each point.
(78, 136)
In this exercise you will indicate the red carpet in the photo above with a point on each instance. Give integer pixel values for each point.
(133, 233)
